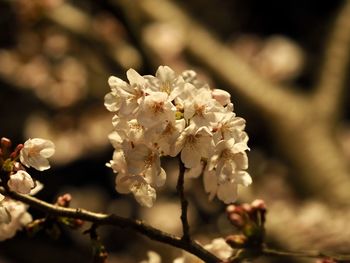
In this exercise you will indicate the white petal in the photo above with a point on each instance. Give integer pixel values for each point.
(189, 157)
(210, 183)
(161, 178)
(135, 78)
(5, 216)
(243, 178)
(144, 194)
(227, 192)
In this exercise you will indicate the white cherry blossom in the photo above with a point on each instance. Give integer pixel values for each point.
(142, 160)
(164, 136)
(35, 153)
(166, 81)
(229, 126)
(19, 217)
(194, 143)
(225, 170)
(21, 182)
(125, 98)
(156, 109)
(139, 171)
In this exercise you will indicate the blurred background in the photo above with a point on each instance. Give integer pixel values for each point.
(55, 59)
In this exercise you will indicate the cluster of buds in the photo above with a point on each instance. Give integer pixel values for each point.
(14, 177)
(64, 201)
(249, 219)
(175, 115)
(51, 224)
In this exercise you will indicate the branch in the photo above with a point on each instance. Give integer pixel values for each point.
(104, 219)
(184, 202)
(330, 87)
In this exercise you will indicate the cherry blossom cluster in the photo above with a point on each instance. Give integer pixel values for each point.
(175, 115)
(14, 177)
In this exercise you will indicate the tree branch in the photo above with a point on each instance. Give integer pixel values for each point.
(330, 87)
(184, 202)
(110, 219)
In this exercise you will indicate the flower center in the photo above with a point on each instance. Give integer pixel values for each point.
(158, 107)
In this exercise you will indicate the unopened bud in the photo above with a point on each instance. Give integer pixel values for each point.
(259, 204)
(72, 222)
(5, 143)
(258, 213)
(236, 220)
(64, 200)
(247, 208)
(231, 209)
(16, 152)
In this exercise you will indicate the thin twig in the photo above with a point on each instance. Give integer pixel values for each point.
(184, 202)
(110, 219)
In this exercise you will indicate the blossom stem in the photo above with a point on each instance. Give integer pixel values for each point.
(111, 219)
(183, 200)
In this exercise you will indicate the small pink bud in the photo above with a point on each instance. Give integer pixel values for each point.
(259, 204)
(247, 208)
(236, 220)
(16, 152)
(231, 209)
(6, 143)
(64, 200)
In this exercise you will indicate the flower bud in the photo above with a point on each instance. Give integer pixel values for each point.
(21, 182)
(64, 200)
(236, 220)
(5, 143)
(16, 152)
(259, 204)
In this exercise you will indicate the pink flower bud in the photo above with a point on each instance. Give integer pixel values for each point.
(5, 143)
(259, 204)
